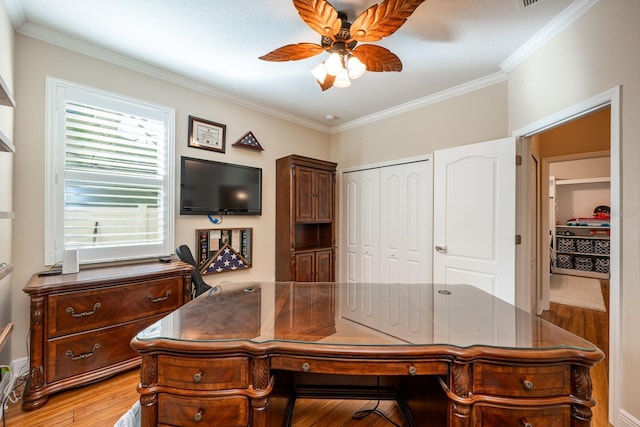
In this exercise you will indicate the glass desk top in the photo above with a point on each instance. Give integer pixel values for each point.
(358, 314)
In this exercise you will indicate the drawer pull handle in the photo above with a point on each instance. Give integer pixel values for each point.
(528, 385)
(159, 299)
(305, 367)
(197, 377)
(83, 356)
(198, 416)
(73, 313)
(413, 370)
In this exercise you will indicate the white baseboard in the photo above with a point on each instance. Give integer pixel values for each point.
(19, 367)
(628, 420)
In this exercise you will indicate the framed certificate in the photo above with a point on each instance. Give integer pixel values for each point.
(206, 134)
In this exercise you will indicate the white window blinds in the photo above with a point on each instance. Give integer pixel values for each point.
(114, 200)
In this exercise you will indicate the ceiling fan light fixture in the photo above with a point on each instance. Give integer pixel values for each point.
(333, 64)
(356, 67)
(319, 72)
(342, 79)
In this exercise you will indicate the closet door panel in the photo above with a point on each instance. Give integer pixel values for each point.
(405, 223)
(360, 196)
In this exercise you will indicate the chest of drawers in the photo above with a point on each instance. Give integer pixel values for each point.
(82, 324)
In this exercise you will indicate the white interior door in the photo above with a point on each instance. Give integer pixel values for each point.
(474, 217)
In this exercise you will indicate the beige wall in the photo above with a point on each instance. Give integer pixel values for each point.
(7, 43)
(35, 60)
(596, 53)
(425, 130)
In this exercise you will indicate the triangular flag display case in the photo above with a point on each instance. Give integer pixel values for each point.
(221, 250)
(249, 141)
(226, 259)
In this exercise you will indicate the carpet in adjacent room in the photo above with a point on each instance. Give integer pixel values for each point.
(576, 291)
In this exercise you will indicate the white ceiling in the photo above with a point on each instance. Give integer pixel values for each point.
(216, 43)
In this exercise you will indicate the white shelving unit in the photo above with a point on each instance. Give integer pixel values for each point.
(583, 249)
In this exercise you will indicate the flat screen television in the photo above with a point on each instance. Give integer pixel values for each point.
(216, 188)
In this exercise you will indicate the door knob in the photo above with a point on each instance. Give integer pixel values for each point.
(441, 249)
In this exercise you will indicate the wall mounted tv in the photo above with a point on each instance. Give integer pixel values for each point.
(216, 188)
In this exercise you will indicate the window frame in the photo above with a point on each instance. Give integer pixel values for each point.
(57, 93)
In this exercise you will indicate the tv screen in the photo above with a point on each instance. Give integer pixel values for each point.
(216, 188)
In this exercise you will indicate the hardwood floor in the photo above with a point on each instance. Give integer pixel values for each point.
(103, 403)
(593, 326)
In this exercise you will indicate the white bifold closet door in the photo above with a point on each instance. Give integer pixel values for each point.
(387, 224)
(387, 239)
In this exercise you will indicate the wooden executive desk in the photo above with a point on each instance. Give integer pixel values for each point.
(455, 356)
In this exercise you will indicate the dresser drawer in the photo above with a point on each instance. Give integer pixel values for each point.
(358, 367)
(203, 374)
(84, 310)
(555, 416)
(521, 381)
(80, 353)
(190, 411)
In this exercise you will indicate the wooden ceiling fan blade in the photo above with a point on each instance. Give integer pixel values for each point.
(320, 16)
(293, 52)
(377, 58)
(382, 20)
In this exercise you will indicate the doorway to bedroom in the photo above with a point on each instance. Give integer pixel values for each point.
(572, 212)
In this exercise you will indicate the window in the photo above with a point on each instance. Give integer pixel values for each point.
(109, 179)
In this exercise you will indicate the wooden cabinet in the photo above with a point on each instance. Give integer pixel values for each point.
(313, 266)
(313, 194)
(82, 324)
(305, 219)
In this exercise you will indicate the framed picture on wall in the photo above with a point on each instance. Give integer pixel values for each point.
(206, 134)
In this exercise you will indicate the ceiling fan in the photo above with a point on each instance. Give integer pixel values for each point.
(340, 38)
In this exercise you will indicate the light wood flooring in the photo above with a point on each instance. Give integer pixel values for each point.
(103, 403)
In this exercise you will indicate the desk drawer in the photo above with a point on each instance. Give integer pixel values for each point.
(191, 411)
(80, 353)
(521, 381)
(358, 367)
(540, 417)
(203, 374)
(84, 310)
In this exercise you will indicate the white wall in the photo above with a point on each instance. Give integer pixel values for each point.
(36, 59)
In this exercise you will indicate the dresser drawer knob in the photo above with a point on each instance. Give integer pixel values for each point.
(197, 377)
(305, 367)
(73, 313)
(528, 385)
(413, 370)
(198, 416)
(159, 299)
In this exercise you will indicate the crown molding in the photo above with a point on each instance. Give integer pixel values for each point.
(52, 37)
(548, 32)
(483, 82)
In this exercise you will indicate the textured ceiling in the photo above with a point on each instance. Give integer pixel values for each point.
(444, 44)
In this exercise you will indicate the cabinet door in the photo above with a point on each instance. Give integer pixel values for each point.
(324, 266)
(304, 194)
(303, 267)
(324, 196)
